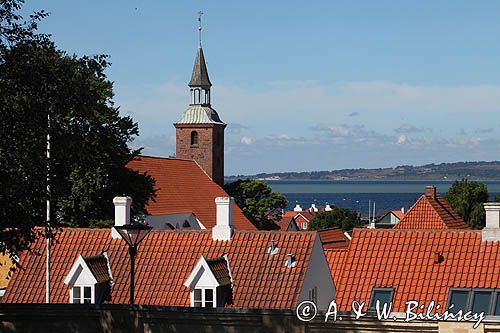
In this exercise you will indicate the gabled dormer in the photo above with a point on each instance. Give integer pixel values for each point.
(89, 279)
(210, 283)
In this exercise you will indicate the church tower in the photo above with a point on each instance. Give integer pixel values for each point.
(200, 132)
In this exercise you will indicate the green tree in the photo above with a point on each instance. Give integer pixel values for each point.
(343, 218)
(89, 137)
(467, 198)
(258, 202)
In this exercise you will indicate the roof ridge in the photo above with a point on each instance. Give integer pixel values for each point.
(164, 158)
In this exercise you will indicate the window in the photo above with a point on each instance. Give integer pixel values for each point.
(459, 299)
(475, 300)
(304, 225)
(497, 310)
(82, 295)
(383, 295)
(203, 298)
(194, 138)
(198, 302)
(76, 295)
(481, 301)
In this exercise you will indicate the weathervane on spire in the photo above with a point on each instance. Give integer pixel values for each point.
(199, 24)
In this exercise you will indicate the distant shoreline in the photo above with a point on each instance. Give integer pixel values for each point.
(447, 172)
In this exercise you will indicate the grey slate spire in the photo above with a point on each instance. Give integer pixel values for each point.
(199, 78)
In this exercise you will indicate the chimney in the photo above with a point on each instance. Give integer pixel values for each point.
(297, 207)
(402, 210)
(492, 230)
(122, 213)
(223, 229)
(430, 191)
(313, 208)
(328, 208)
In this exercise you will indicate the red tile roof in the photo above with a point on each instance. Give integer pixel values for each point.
(335, 259)
(404, 260)
(182, 186)
(306, 215)
(399, 214)
(285, 223)
(431, 212)
(220, 270)
(165, 259)
(98, 265)
(333, 238)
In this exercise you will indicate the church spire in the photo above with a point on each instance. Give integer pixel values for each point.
(200, 82)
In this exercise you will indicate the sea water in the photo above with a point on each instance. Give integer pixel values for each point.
(356, 195)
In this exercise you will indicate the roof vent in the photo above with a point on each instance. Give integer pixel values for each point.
(290, 261)
(273, 249)
(438, 257)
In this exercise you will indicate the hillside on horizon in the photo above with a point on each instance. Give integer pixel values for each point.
(444, 171)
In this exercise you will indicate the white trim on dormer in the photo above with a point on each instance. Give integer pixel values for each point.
(200, 269)
(72, 275)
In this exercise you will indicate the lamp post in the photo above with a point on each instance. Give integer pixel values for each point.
(133, 234)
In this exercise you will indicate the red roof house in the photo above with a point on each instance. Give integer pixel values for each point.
(430, 256)
(431, 212)
(221, 267)
(183, 187)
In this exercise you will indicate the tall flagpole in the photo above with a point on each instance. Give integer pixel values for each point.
(47, 226)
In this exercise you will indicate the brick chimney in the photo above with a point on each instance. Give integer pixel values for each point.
(492, 230)
(224, 227)
(122, 213)
(430, 191)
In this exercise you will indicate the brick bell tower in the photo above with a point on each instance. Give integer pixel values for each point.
(200, 131)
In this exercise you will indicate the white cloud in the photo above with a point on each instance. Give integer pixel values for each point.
(402, 139)
(246, 140)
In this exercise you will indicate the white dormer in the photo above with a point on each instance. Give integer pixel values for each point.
(89, 279)
(210, 283)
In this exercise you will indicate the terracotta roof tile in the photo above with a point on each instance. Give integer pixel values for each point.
(98, 265)
(405, 260)
(182, 186)
(335, 259)
(220, 270)
(431, 212)
(333, 238)
(165, 259)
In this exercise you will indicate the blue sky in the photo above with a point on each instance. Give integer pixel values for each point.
(314, 85)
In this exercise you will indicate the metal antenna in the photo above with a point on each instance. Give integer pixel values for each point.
(199, 25)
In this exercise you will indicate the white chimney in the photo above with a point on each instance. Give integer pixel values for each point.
(297, 208)
(223, 229)
(313, 208)
(402, 210)
(492, 230)
(328, 208)
(122, 213)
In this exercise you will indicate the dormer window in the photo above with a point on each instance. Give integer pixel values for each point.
(82, 294)
(89, 279)
(210, 283)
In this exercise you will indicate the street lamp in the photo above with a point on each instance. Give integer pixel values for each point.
(133, 234)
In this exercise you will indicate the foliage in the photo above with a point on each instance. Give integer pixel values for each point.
(258, 202)
(89, 138)
(343, 218)
(467, 199)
